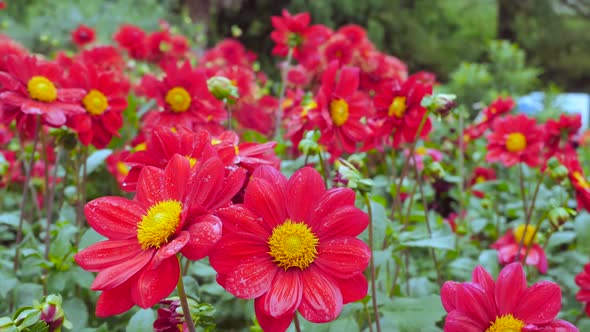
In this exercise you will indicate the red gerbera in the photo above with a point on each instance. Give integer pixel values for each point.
(83, 35)
(32, 86)
(171, 213)
(183, 97)
(104, 102)
(560, 134)
(583, 280)
(292, 246)
(504, 305)
(507, 247)
(341, 107)
(515, 139)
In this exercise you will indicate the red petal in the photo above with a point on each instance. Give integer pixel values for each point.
(304, 190)
(267, 200)
(150, 185)
(114, 217)
(485, 280)
(171, 248)
(232, 184)
(250, 279)
(206, 182)
(234, 249)
(559, 325)
(70, 95)
(474, 302)
(204, 234)
(539, 304)
(114, 301)
(116, 275)
(154, 284)
(54, 117)
(458, 321)
(348, 82)
(343, 257)
(108, 253)
(322, 299)
(238, 218)
(176, 177)
(354, 288)
(448, 295)
(510, 287)
(269, 323)
(284, 294)
(330, 201)
(344, 221)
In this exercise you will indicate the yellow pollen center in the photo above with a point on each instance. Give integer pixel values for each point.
(421, 151)
(397, 107)
(339, 111)
(528, 232)
(192, 161)
(506, 323)
(140, 147)
(293, 244)
(122, 168)
(287, 103)
(515, 142)
(95, 102)
(42, 89)
(308, 107)
(581, 181)
(178, 99)
(215, 141)
(159, 224)
(480, 179)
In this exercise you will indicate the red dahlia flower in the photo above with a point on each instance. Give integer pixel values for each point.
(515, 139)
(583, 280)
(248, 155)
(504, 305)
(104, 103)
(83, 35)
(507, 247)
(292, 246)
(183, 97)
(578, 181)
(171, 213)
(399, 112)
(497, 108)
(559, 134)
(341, 107)
(116, 166)
(133, 39)
(32, 86)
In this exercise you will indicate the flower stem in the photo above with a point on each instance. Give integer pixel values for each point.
(528, 212)
(372, 263)
(325, 171)
(296, 322)
(279, 113)
(184, 302)
(49, 193)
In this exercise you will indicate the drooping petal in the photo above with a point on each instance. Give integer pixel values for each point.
(116, 275)
(304, 189)
(114, 217)
(354, 288)
(269, 323)
(171, 248)
(204, 234)
(322, 299)
(343, 257)
(114, 301)
(154, 284)
(105, 254)
(539, 304)
(285, 293)
(250, 279)
(559, 325)
(510, 287)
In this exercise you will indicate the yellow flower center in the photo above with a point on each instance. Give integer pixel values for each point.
(480, 179)
(288, 102)
(581, 181)
(122, 168)
(95, 102)
(506, 323)
(159, 223)
(192, 161)
(178, 99)
(308, 107)
(421, 150)
(528, 232)
(41, 89)
(215, 141)
(293, 245)
(140, 147)
(339, 111)
(515, 142)
(397, 107)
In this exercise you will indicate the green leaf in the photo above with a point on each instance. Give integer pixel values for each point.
(76, 312)
(446, 242)
(582, 227)
(90, 237)
(142, 320)
(413, 314)
(27, 317)
(10, 218)
(96, 159)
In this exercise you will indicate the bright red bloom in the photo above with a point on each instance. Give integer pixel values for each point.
(399, 112)
(504, 305)
(115, 164)
(559, 134)
(183, 98)
(583, 280)
(83, 35)
(9, 46)
(133, 39)
(515, 139)
(2, 5)
(578, 180)
(341, 107)
(248, 155)
(104, 102)
(338, 48)
(170, 214)
(481, 174)
(33, 86)
(228, 52)
(507, 247)
(103, 57)
(258, 115)
(497, 108)
(292, 246)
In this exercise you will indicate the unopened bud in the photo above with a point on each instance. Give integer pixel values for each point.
(441, 104)
(435, 170)
(222, 88)
(559, 173)
(354, 179)
(553, 163)
(52, 313)
(558, 216)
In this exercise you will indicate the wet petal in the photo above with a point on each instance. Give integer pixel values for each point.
(108, 253)
(510, 286)
(114, 301)
(116, 275)
(353, 288)
(155, 284)
(250, 279)
(322, 299)
(204, 234)
(114, 217)
(269, 323)
(343, 257)
(539, 304)
(285, 293)
(304, 190)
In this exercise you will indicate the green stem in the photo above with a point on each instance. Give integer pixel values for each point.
(372, 263)
(279, 113)
(184, 302)
(325, 171)
(368, 312)
(529, 211)
(296, 322)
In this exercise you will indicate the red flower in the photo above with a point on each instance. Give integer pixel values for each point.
(399, 111)
(33, 87)
(248, 155)
(115, 164)
(104, 58)
(83, 35)
(338, 48)
(578, 180)
(560, 134)
(497, 108)
(183, 97)
(292, 246)
(137, 265)
(507, 247)
(583, 280)
(133, 39)
(504, 305)
(2, 5)
(515, 139)
(104, 103)
(482, 174)
(341, 107)
(258, 114)
(8, 46)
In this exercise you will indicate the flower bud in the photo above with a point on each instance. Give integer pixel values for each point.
(559, 173)
(558, 216)
(441, 104)
(52, 313)
(435, 170)
(347, 173)
(222, 88)
(553, 163)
